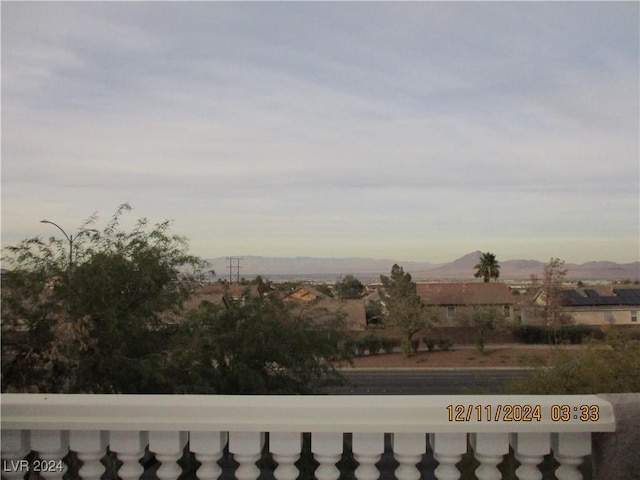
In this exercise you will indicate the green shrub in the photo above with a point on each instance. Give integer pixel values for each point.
(575, 334)
(594, 369)
(350, 347)
(430, 342)
(626, 335)
(375, 347)
(531, 334)
(371, 343)
(541, 334)
(361, 347)
(388, 344)
(445, 343)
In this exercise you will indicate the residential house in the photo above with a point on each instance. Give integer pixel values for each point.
(457, 299)
(222, 294)
(602, 306)
(308, 297)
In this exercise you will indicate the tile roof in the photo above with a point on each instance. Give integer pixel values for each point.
(215, 293)
(305, 293)
(465, 293)
(354, 310)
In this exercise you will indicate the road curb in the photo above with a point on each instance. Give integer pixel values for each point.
(421, 369)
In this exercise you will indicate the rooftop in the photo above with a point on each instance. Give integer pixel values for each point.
(465, 293)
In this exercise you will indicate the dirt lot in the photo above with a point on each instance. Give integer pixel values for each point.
(501, 356)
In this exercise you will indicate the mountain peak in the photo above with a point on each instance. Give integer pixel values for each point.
(369, 270)
(468, 261)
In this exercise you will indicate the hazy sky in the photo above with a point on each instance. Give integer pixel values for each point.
(412, 131)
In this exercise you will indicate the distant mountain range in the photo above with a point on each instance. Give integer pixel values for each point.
(369, 270)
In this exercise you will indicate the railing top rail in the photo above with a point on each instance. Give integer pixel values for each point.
(312, 413)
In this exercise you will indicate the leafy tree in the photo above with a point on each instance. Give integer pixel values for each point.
(408, 314)
(487, 267)
(97, 322)
(399, 284)
(325, 289)
(257, 347)
(374, 312)
(349, 288)
(484, 319)
(403, 305)
(554, 274)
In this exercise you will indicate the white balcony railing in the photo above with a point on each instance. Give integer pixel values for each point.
(533, 426)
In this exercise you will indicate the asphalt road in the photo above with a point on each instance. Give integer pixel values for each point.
(427, 382)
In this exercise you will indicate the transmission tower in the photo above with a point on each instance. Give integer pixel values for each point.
(234, 269)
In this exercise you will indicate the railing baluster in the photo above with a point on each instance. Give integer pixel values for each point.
(569, 450)
(327, 450)
(168, 448)
(367, 450)
(129, 447)
(246, 448)
(408, 449)
(530, 449)
(448, 449)
(47, 424)
(489, 449)
(15, 446)
(90, 445)
(208, 447)
(52, 446)
(285, 448)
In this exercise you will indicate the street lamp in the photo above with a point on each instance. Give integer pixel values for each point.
(70, 239)
(69, 378)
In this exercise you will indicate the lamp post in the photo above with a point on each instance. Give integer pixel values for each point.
(70, 378)
(70, 239)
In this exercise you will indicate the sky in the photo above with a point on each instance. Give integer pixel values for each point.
(412, 131)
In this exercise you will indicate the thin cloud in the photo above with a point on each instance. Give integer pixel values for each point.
(331, 127)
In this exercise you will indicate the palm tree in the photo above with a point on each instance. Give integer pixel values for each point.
(487, 267)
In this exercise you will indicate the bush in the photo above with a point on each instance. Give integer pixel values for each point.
(430, 342)
(351, 347)
(594, 369)
(445, 343)
(574, 334)
(371, 343)
(388, 344)
(628, 335)
(530, 334)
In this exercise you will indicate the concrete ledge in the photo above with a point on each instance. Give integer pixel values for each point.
(617, 455)
(306, 413)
